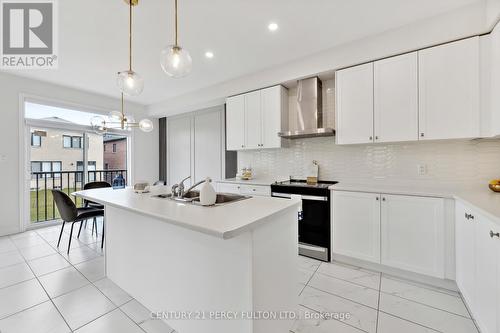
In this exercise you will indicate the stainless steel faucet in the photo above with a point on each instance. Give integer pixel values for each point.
(178, 189)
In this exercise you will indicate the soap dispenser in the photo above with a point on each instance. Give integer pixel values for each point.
(208, 195)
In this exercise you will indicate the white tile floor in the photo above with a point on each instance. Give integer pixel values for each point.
(375, 303)
(45, 290)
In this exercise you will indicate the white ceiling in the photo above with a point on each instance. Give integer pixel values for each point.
(93, 37)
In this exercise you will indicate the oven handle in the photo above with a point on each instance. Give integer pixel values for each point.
(303, 197)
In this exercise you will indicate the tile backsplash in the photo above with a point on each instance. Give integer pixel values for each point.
(446, 162)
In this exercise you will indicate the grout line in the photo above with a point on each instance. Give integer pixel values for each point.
(347, 299)
(50, 298)
(410, 321)
(355, 283)
(469, 312)
(357, 328)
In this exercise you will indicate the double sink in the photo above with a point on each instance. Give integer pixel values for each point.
(193, 197)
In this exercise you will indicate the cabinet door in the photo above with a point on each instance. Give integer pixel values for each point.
(228, 188)
(413, 234)
(486, 281)
(465, 253)
(354, 104)
(253, 120)
(449, 91)
(208, 134)
(356, 225)
(235, 122)
(179, 149)
(271, 116)
(396, 99)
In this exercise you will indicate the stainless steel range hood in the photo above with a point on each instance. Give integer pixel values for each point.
(309, 117)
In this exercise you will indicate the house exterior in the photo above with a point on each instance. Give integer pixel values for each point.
(54, 150)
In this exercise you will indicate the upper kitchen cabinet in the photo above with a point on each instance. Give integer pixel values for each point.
(449, 104)
(273, 98)
(235, 122)
(354, 104)
(396, 98)
(254, 119)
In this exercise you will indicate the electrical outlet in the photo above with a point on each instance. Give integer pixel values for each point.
(422, 169)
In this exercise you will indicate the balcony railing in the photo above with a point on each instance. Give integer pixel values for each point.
(42, 203)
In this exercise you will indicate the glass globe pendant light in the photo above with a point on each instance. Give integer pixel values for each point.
(130, 82)
(118, 120)
(175, 60)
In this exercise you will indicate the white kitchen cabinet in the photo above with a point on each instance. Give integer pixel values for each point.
(244, 189)
(254, 119)
(195, 146)
(235, 122)
(356, 225)
(179, 157)
(487, 277)
(412, 234)
(208, 145)
(354, 104)
(273, 98)
(396, 98)
(478, 266)
(465, 252)
(449, 104)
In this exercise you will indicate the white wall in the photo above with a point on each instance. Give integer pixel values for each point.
(464, 22)
(145, 162)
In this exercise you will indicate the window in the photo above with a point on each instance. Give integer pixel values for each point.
(72, 141)
(46, 166)
(36, 140)
(104, 148)
(91, 166)
(106, 166)
(114, 147)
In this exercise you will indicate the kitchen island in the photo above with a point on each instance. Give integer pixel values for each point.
(215, 269)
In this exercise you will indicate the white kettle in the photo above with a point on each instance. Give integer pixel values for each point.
(208, 195)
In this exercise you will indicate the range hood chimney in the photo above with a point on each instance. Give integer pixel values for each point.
(309, 118)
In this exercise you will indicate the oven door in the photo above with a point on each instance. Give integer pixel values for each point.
(314, 225)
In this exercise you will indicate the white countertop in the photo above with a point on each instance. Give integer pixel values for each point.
(225, 221)
(255, 181)
(478, 197)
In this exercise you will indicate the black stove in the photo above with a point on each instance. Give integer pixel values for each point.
(313, 217)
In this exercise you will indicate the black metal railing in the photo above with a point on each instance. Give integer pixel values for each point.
(42, 204)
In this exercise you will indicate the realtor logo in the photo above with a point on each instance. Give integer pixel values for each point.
(28, 34)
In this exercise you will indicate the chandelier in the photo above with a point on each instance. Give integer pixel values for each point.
(117, 120)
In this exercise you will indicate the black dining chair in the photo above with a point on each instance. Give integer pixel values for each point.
(71, 214)
(88, 203)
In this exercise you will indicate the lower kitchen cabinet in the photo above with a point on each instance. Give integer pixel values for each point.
(356, 225)
(478, 270)
(244, 189)
(412, 234)
(404, 232)
(465, 252)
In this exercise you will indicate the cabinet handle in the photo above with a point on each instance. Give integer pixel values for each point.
(469, 216)
(383, 199)
(371, 138)
(492, 234)
(376, 137)
(422, 135)
(376, 198)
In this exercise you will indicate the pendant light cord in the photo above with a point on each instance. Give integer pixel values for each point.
(130, 37)
(176, 24)
(123, 115)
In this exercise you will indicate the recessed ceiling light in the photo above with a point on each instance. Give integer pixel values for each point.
(272, 26)
(209, 54)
